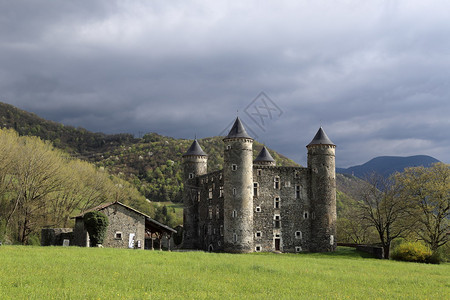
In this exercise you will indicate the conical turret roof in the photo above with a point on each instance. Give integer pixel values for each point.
(237, 131)
(264, 155)
(195, 149)
(321, 138)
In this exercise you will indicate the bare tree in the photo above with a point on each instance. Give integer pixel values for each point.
(383, 209)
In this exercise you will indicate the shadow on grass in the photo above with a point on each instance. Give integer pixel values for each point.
(347, 252)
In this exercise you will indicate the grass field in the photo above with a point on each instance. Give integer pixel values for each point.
(100, 273)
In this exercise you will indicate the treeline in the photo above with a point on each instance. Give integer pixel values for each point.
(410, 206)
(42, 186)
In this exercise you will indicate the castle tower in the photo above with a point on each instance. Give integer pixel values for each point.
(195, 163)
(238, 190)
(321, 165)
(264, 158)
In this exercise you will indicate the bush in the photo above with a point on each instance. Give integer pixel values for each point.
(96, 223)
(415, 252)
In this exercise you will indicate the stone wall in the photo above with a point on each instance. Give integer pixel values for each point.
(56, 236)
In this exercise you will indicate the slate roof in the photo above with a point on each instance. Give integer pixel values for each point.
(237, 131)
(147, 218)
(264, 155)
(321, 138)
(195, 149)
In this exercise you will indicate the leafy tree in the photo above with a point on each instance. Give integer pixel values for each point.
(96, 223)
(428, 189)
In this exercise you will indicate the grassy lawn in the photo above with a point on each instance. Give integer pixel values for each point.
(95, 273)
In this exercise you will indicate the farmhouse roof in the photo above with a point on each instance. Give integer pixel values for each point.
(264, 155)
(238, 130)
(321, 138)
(149, 221)
(195, 149)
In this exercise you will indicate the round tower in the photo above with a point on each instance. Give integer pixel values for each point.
(195, 163)
(264, 158)
(322, 170)
(238, 190)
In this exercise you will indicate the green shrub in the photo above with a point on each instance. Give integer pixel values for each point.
(96, 223)
(413, 251)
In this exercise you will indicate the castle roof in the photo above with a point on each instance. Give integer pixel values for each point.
(321, 138)
(264, 155)
(195, 149)
(237, 131)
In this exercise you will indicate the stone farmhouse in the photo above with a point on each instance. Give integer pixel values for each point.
(253, 205)
(128, 228)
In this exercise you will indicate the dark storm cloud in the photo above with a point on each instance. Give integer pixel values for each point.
(374, 74)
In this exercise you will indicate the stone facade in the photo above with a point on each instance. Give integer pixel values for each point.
(255, 205)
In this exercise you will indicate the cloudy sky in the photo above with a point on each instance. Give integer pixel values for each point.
(374, 74)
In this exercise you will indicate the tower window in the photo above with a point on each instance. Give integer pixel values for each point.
(234, 214)
(258, 209)
(235, 237)
(191, 175)
(221, 191)
(234, 191)
(210, 213)
(217, 212)
(297, 192)
(258, 248)
(255, 189)
(298, 249)
(118, 235)
(233, 167)
(276, 182)
(305, 215)
(210, 193)
(277, 222)
(259, 172)
(228, 147)
(276, 202)
(298, 235)
(258, 234)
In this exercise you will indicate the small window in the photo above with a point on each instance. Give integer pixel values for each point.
(276, 202)
(298, 249)
(258, 209)
(298, 235)
(235, 237)
(305, 215)
(297, 192)
(277, 222)
(210, 213)
(276, 182)
(259, 172)
(210, 193)
(258, 234)
(228, 147)
(258, 248)
(191, 175)
(255, 189)
(331, 240)
(234, 214)
(287, 184)
(217, 212)
(118, 235)
(233, 167)
(221, 230)
(296, 175)
(221, 191)
(234, 191)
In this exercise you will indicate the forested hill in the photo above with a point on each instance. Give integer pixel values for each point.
(151, 163)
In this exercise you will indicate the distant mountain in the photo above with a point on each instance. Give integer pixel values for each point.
(387, 165)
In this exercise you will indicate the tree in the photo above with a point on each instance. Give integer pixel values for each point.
(381, 207)
(429, 191)
(96, 223)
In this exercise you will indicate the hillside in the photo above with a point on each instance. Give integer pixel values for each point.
(387, 165)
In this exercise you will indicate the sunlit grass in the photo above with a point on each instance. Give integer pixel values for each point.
(95, 273)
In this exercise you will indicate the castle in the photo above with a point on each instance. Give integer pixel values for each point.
(253, 205)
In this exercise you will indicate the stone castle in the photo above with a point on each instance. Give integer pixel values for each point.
(254, 205)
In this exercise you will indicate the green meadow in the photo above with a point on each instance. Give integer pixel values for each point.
(28, 272)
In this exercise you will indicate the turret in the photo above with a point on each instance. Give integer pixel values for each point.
(321, 166)
(195, 163)
(238, 190)
(264, 158)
